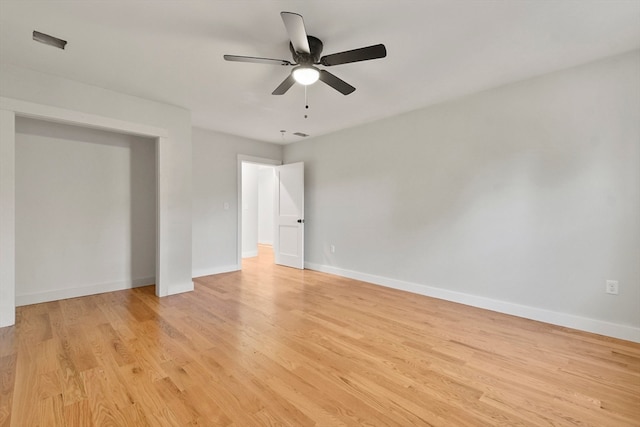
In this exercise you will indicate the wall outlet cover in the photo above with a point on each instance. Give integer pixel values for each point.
(612, 287)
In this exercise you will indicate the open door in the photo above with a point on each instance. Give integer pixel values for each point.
(288, 239)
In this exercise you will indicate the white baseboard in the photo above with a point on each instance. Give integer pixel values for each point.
(266, 242)
(58, 294)
(615, 330)
(249, 254)
(215, 270)
(7, 317)
(180, 288)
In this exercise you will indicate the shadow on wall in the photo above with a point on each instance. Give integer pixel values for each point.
(143, 199)
(85, 208)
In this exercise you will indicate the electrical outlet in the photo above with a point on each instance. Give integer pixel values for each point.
(332, 249)
(612, 287)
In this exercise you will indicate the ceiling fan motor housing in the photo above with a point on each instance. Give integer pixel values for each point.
(303, 58)
(306, 51)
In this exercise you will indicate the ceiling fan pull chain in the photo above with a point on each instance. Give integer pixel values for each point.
(306, 101)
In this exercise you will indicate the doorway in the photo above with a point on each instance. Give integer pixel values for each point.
(288, 211)
(256, 186)
(258, 183)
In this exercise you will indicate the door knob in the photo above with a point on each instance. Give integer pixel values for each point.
(301, 221)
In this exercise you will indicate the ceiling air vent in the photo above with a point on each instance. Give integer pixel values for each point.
(301, 134)
(50, 40)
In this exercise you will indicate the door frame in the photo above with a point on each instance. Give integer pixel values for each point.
(258, 161)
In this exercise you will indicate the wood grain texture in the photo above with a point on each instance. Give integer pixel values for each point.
(274, 346)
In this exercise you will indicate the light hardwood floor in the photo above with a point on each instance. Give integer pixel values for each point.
(273, 346)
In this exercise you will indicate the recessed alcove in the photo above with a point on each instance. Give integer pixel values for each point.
(12, 110)
(85, 211)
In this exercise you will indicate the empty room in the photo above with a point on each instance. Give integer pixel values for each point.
(319, 213)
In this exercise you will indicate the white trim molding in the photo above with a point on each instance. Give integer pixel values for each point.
(7, 218)
(216, 270)
(614, 330)
(62, 115)
(180, 288)
(58, 294)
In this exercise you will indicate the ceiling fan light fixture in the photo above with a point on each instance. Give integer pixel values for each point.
(305, 74)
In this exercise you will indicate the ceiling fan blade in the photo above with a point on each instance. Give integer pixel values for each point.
(256, 60)
(297, 34)
(355, 55)
(336, 83)
(284, 86)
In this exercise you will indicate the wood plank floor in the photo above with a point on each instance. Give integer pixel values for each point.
(273, 346)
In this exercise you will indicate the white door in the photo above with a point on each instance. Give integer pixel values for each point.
(288, 239)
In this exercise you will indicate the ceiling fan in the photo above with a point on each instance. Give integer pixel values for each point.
(306, 52)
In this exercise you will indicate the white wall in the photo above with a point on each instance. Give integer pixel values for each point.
(249, 210)
(215, 182)
(266, 188)
(174, 156)
(85, 211)
(523, 199)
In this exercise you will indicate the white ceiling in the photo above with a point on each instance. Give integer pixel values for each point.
(171, 51)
